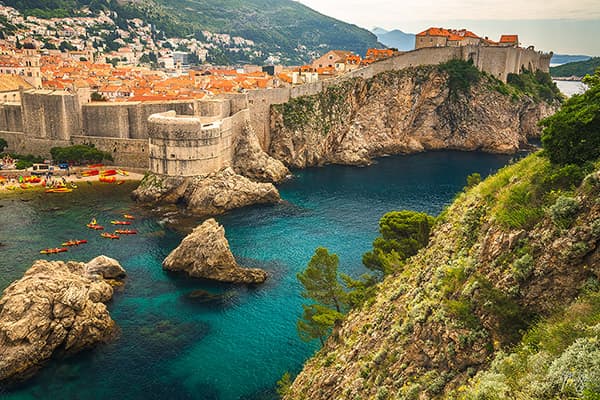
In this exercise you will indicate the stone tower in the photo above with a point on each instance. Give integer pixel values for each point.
(33, 73)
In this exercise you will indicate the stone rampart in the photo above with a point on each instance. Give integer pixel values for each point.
(11, 117)
(189, 145)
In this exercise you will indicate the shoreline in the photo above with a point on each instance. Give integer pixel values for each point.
(74, 178)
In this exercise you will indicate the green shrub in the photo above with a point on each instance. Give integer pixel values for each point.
(23, 164)
(564, 211)
(79, 153)
(461, 75)
(473, 180)
(572, 134)
(519, 210)
(523, 266)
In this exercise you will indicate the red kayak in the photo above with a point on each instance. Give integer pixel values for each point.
(126, 232)
(95, 227)
(109, 172)
(74, 242)
(54, 251)
(120, 222)
(109, 235)
(92, 172)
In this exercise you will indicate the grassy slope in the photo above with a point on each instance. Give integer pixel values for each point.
(501, 257)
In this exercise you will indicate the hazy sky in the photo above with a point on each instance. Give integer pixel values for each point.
(566, 27)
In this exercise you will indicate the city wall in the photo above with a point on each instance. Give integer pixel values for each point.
(45, 119)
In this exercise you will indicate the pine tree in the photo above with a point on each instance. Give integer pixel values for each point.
(317, 322)
(320, 280)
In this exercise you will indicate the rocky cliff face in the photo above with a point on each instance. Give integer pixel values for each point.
(493, 266)
(395, 112)
(205, 253)
(55, 308)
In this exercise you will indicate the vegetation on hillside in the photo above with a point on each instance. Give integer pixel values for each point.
(578, 68)
(279, 27)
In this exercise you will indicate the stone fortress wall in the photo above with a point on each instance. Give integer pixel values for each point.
(199, 135)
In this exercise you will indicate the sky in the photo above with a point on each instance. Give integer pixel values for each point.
(562, 26)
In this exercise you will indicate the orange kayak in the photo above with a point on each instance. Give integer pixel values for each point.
(126, 232)
(92, 172)
(95, 227)
(54, 251)
(74, 242)
(109, 235)
(120, 222)
(95, 165)
(107, 179)
(109, 172)
(59, 190)
(127, 216)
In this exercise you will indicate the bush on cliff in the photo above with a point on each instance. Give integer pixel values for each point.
(572, 135)
(461, 75)
(79, 154)
(403, 233)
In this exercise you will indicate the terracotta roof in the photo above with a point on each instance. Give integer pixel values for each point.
(509, 39)
(451, 34)
(9, 83)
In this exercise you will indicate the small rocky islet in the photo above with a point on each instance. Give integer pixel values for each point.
(57, 308)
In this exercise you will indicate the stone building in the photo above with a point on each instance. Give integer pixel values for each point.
(331, 59)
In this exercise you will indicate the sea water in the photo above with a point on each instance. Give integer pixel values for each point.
(239, 344)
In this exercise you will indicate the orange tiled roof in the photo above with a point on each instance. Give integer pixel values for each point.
(451, 34)
(509, 39)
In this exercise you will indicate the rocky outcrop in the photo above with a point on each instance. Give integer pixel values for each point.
(56, 308)
(397, 112)
(252, 162)
(479, 284)
(208, 195)
(205, 253)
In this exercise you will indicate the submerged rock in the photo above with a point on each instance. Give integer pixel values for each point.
(207, 195)
(205, 253)
(56, 307)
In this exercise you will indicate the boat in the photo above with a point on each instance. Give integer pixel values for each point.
(109, 235)
(126, 231)
(107, 179)
(25, 186)
(108, 172)
(128, 216)
(74, 242)
(92, 172)
(32, 179)
(122, 172)
(59, 190)
(92, 166)
(54, 251)
(95, 227)
(120, 222)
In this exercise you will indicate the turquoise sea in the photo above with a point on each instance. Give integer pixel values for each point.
(237, 346)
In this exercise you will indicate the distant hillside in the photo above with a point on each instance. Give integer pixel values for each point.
(280, 28)
(580, 68)
(567, 58)
(396, 38)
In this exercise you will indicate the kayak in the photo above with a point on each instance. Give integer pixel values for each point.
(109, 235)
(74, 242)
(126, 232)
(95, 165)
(92, 172)
(122, 172)
(120, 222)
(108, 172)
(32, 179)
(128, 216)
(25, 186)
(107, 179)
(54, 251)
(59, 190)
(95, 227)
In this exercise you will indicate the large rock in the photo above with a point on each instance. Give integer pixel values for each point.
(207, 195)
(205, 253)
(252, 162)
(56, 307)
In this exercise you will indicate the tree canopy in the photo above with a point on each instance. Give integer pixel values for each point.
(572, 134)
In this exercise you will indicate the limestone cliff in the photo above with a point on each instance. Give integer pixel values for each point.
(55, 308)
(406, 111)
(515, 248)
(208, 195)
(205, 253)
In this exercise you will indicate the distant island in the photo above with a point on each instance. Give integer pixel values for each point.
(577, 69)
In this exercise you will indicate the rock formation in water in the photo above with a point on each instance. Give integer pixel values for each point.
(205, 253)
(56, 308)
(208, 195)
(397, 112)
(252, 162)
(495, 264)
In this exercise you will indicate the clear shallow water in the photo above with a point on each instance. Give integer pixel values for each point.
(175, 347)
